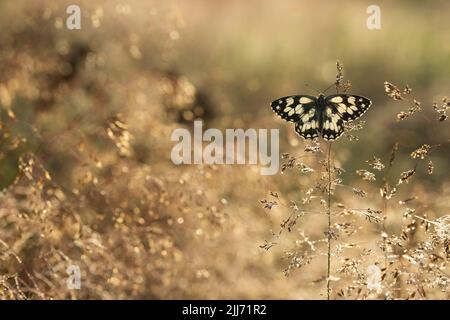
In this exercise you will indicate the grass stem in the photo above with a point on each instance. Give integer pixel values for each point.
(329, 222)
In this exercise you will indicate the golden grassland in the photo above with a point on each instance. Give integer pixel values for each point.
(86, 176)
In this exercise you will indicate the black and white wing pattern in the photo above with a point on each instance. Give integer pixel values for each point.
(292, 108)
(299, 109)
(323, 116)
(332, 125)
(349, 107)
(340, 108)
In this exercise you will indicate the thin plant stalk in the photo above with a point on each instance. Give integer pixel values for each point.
(329, 222)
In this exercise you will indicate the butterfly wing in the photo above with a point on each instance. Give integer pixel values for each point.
(299, 109)
(340, 108)
(326, 120)
(349, 107)
(293, 108)
(308, 127)
(332, 125)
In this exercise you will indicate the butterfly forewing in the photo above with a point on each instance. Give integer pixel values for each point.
(293, 108)
(349, 107)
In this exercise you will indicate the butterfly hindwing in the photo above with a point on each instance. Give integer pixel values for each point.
(293, 108)
(308, 129)
(332, 125)
(350, 107)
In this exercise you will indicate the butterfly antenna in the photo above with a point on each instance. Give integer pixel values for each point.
(307, 85)
(332, 85)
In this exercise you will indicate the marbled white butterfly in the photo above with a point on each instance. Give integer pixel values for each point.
(324, 116)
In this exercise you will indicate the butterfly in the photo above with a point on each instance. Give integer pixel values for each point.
(324, 116)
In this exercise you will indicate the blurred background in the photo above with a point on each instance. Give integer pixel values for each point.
(86, 119)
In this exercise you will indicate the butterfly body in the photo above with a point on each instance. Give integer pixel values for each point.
(321, 115)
